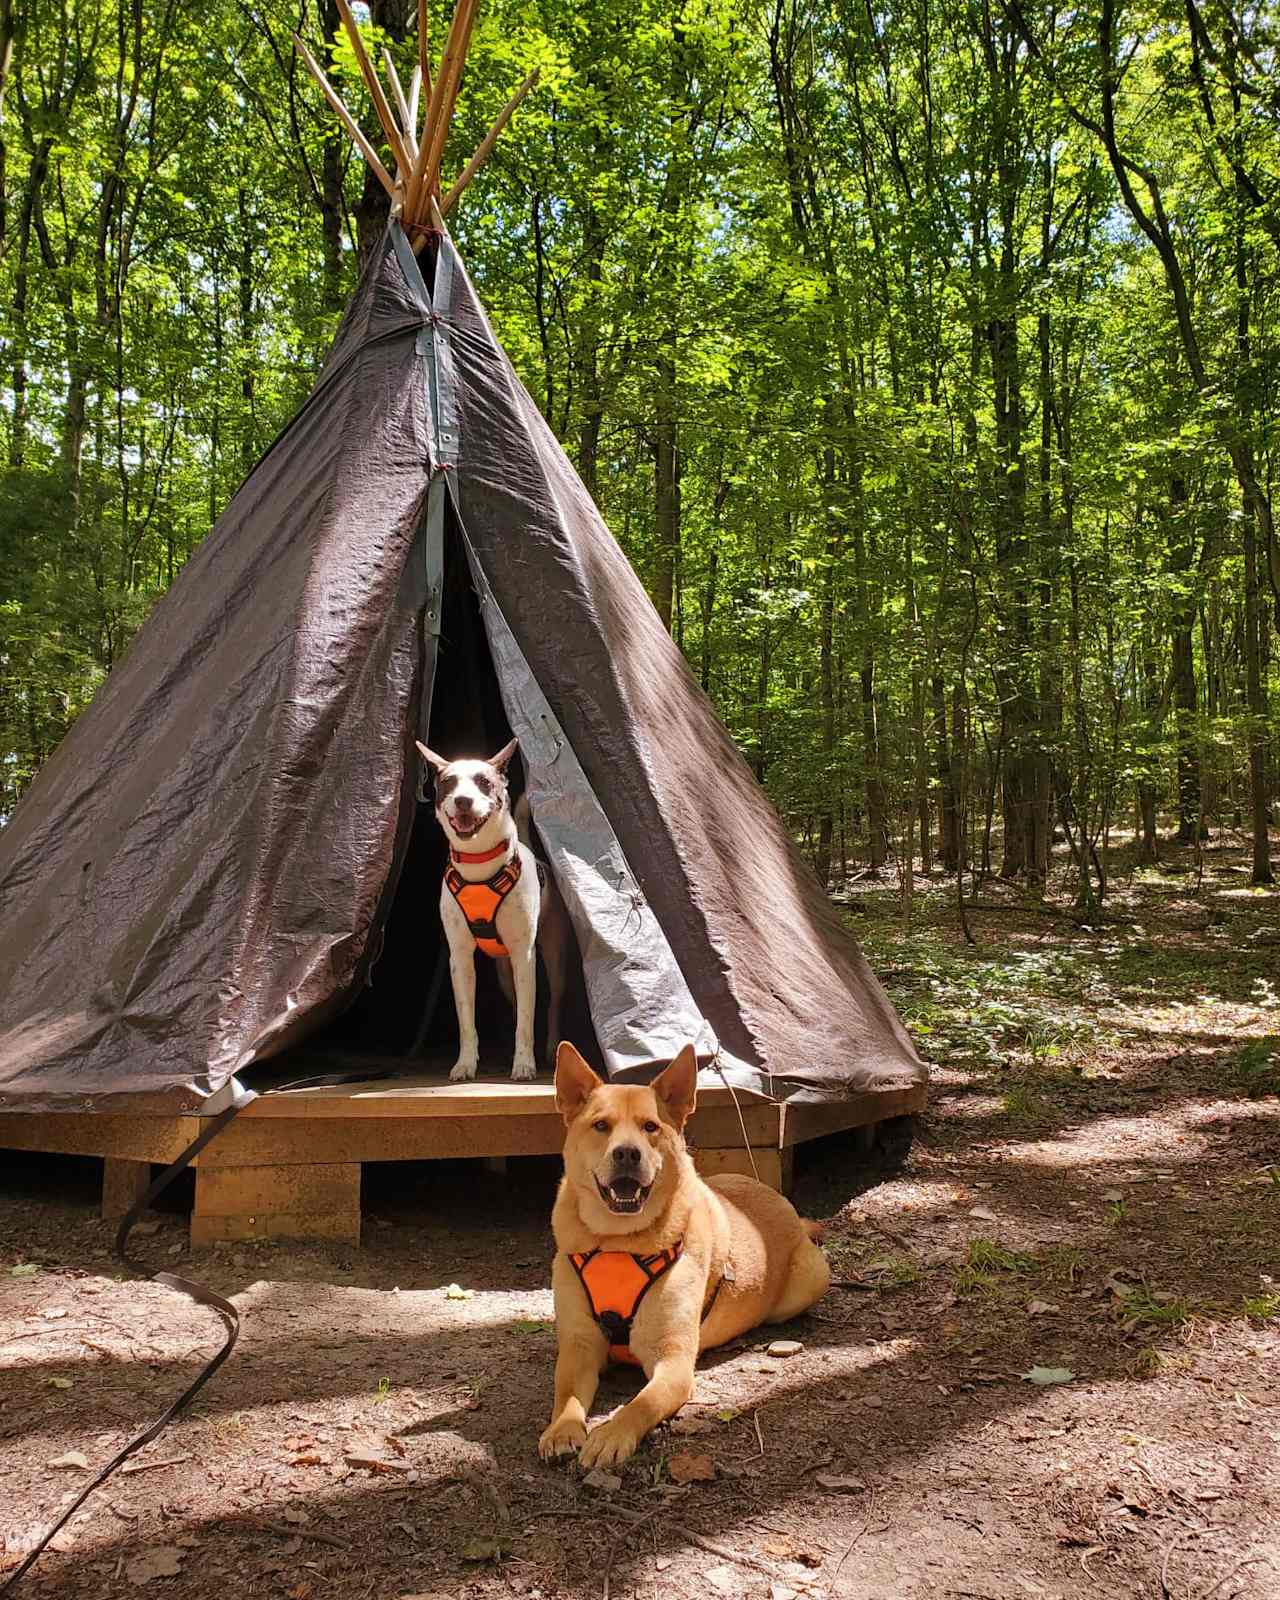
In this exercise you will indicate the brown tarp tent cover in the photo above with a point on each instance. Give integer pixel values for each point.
(199, 875)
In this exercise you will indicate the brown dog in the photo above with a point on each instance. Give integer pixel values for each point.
(652, 1264)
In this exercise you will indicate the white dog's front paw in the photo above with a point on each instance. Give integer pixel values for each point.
(524, 1069)
(464, 1070)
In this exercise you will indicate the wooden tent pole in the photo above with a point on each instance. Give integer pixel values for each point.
(402, 106)
(449, 98)
(415, 92)
(347, 120)
(375, 90)
(485, 147)
(424, 51)
(413, 207)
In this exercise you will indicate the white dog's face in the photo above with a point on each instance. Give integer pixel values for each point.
(470, 795)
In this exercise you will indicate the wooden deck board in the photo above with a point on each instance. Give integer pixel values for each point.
(263, 1155)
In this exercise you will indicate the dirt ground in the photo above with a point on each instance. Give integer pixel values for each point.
(1094, 1198)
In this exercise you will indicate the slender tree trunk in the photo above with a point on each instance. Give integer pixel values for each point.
(666, 467)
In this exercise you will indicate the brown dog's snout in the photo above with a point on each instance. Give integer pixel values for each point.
(626, 1155)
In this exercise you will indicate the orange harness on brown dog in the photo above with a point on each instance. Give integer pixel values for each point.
(480, 902)
(616, 1283)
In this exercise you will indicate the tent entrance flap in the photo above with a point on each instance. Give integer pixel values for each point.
(460, 713)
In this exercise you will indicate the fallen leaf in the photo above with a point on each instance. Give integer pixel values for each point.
(455, 1291)
(533, 1325)
(688, 1425)
(781, 1348)
(161, 1561)
(725, 1578)
(727, 1415)
(1047, 1375)
(686, 1468)
(296, 1516)
(300, 1591)
(984, 1214)
(369, 1462)
(53, 1313)
(24, 1269)
(1113, 1194)
(73, 1458)
(832, 1480)
(1038, 1308)
(60, 1383)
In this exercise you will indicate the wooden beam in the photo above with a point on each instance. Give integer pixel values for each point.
(485, 147)
(449, 98)
(434, 128)
(424, 55)
(347, 120)
(314, 1202)
(415, 92)
(374, 87)
(402, 107)
(123, 1184)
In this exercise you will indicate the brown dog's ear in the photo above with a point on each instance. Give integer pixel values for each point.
(504, 755)
(575, 1081)
(435, 762)
(677, 1087)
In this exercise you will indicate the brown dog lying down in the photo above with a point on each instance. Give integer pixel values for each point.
(652, 1264)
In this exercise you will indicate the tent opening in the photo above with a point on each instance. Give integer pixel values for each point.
(394, 1014)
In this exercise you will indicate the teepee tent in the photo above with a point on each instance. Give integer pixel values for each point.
(231, 840)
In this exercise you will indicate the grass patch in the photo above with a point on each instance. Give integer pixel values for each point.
(894, 1272)
(984, 1262)
(1261, 1307)
(1063, 1263)
(1143, 1309)
(1257, 1067)
(1022, 1104)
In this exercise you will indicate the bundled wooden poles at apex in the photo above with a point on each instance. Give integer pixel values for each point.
(417, 154)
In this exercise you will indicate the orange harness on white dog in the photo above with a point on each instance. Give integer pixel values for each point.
(481, 902)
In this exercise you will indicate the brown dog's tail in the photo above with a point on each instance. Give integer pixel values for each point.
(817, 1231)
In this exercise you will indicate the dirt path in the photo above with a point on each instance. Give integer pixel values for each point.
(1096, 1192)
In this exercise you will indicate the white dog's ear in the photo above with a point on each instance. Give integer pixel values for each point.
(504, 755)
(575, 1081)
(677, 1087)
(435, 762)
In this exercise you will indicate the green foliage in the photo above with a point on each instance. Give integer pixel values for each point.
(955, 498)
(1257, 1066)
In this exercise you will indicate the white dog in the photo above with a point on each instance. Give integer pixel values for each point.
(497, 899)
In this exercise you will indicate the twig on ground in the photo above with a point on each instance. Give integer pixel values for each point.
(290, 1532)
(724, 1552)
(631, 1527)
(34, 1333)
(1249, 1561)
(152, 1466)
(1164, 1565)
(871, 1505)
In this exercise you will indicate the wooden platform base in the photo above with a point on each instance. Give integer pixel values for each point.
(288, 1166)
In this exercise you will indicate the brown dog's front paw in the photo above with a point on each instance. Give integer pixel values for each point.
(609, 1444)
(561, 1438)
